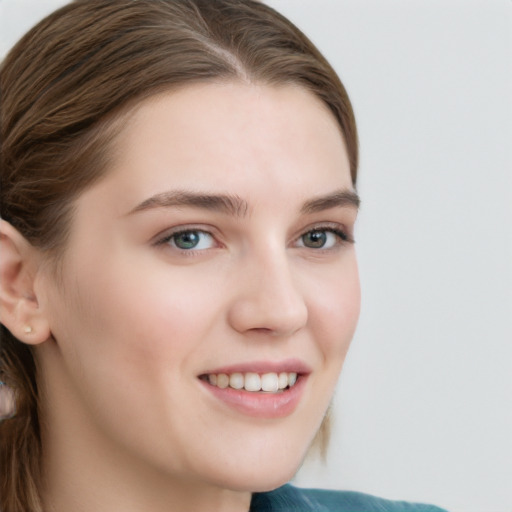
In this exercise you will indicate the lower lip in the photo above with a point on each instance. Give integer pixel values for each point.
(261, 404)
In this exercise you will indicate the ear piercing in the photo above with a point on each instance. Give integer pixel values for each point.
(27, 329)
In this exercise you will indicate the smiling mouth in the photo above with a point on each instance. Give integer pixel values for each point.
(253, 382)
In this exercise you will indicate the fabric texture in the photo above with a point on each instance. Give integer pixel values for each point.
(289, 498)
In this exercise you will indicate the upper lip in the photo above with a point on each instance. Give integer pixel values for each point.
(286, 365)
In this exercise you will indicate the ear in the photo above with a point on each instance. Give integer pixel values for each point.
(19, 307)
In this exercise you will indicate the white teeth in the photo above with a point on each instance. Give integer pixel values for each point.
(268, 382)
(222, 380)
(283, 380)
(236, 381)
(252, 382)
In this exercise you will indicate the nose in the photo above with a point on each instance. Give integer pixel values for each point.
(267, 298)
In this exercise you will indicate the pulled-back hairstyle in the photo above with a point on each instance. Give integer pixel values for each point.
(64, 89)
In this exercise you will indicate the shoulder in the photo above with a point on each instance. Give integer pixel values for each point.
(289, 498)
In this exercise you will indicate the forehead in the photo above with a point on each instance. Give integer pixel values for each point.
(230, 135)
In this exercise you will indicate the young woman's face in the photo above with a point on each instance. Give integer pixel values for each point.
(217, 249)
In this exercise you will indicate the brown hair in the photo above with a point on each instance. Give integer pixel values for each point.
(63, 89)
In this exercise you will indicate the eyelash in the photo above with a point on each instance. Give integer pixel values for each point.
(168, 238)
(342, 238)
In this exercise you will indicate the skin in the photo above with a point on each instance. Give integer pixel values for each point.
(127, 424)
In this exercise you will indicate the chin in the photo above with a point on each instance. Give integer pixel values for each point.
(270, 482)
(261, 473)
(264, 460)
(257, 481)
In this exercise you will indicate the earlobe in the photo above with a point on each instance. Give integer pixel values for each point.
(19, 306)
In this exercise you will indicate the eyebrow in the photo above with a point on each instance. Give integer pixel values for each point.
(237, 207)
(230, 204)
(338, 199)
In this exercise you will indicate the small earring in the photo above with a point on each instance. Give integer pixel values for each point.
(28, 329)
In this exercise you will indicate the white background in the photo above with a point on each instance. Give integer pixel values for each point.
(424, 407)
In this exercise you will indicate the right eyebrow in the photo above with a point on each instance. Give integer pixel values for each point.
(225, 203)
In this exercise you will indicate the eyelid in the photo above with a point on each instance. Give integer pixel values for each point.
(340, 230)
(344, 233)
(165, 236)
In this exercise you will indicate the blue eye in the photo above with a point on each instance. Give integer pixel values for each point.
(191, 239)
(322, 238)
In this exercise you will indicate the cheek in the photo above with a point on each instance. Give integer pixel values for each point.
(334, 311)
(141, 322)
(130, 335)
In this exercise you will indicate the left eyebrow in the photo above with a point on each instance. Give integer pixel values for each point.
(338, 199)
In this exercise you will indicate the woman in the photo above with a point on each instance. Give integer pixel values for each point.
(179, 285)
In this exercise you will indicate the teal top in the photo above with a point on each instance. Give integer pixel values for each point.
(294, 499)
